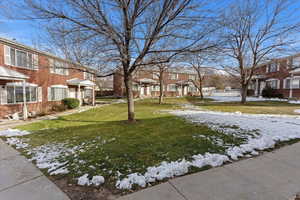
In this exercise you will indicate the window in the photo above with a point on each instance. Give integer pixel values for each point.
(57, 93)
(287, 83)
(15, 94)
(273, 84)
(135, 87)
(155, 88)
(296, 83)
(88, 93)
(20, 58)
(172, 87)
(273, 67)
(58, 67)
(88, 76)
(192, 77)
(173, 76)
(155, 75)
(296, 62)
(192, 89)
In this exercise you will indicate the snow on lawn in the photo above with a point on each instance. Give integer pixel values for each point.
(13, 132)
(297, 111)
(270, 129)
(49, 156)
(238, 98)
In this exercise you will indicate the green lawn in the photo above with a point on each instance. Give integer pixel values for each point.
(110, 145)
(262, 107)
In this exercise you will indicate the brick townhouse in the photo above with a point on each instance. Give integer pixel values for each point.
(32, 81)
(177, 82)
(282, 74)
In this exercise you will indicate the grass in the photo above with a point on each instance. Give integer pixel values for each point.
(262, 107)
(112, 145)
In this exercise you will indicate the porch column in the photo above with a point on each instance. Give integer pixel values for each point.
(94, 96)
(79, 95)
(291, 86)
(256, 88)
(25, 111)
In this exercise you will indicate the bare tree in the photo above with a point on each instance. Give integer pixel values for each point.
(126, 31)
(196, 61)
(255, 31)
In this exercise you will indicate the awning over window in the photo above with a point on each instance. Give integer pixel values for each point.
(21, 84)
(77, 81)
(9, 74)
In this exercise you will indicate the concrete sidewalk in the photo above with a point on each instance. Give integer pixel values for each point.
(272, 176)
(19, 179)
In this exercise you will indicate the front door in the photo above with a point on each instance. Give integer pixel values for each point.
(72, 92)
(262, 86)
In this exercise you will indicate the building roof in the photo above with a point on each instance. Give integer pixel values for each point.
(9, 74)
(77, 81)
(7, 41)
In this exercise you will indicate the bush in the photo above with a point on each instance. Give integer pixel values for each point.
(58, 108)
(269, 92)
(71, 103)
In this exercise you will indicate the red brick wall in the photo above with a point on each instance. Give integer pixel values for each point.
(281, 74)
(119, 89)
(42, 77)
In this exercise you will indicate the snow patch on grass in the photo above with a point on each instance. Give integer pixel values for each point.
(13, 133)
(85, 181)
(237, 99)
(170, 169)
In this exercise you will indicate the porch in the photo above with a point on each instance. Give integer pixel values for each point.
(15, 92)
(83, 90)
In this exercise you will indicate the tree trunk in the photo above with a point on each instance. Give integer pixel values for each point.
(161, 89)
(200, 89)
(244, 93)
(129, 94)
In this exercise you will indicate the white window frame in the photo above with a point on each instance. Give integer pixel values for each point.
(285, 85)
(155, 88)
(88, 76)
(173, 74)
(155, 75)
(272, 67)
(277, 84)
(14, 94)
(8, 58)
(58, 67)
(62, 87)
(192, 77)
(170, 89)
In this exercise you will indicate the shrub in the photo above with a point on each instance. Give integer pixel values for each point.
(269, 92)
(71, 103)
(59, 108)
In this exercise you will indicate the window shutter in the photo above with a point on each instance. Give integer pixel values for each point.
(7, 60)
(267, 68)
(84, 75)
(35, 61)
(51, 65)
(40, 94)
(284, 83)
(3, 95)
(68, 93)
(278, 84)
(49, 93)
(278, 66)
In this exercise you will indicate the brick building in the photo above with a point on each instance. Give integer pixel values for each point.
(32, 81)
(177, 82)
(282, 74)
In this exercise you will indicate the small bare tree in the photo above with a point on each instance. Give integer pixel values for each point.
(126, 31)
(196, 61)
(254, 31)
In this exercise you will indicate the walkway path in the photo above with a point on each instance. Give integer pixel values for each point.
(274, 175)
(19, 179)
